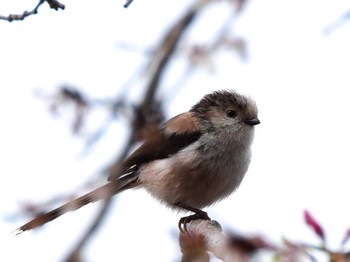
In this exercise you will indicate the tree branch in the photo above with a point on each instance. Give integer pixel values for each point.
(204, 236)
(167, 47)
(54, 4)
(128, 2)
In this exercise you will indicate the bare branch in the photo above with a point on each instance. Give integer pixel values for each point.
(128, 2)
(167, 47)
(206, 236)
(54, 4)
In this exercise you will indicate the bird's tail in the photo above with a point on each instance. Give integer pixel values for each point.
(102, 192)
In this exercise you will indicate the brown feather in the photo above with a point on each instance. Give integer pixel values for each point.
(177, 133)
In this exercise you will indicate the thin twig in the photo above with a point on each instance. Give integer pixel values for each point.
(54, 4)
(128, 2)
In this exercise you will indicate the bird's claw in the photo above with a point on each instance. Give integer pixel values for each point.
(182, 225)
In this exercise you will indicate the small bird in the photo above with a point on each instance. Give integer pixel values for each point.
(194, 160)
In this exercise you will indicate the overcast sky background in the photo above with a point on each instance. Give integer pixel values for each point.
(298, 75)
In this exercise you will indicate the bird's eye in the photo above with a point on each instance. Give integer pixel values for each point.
(231, 113)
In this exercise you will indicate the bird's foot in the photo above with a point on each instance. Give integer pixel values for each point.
(182, 225)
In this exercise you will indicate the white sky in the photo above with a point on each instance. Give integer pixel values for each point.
(298, 76)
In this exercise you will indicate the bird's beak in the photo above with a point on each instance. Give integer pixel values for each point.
(252, 121)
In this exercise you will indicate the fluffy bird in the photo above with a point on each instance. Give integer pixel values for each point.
(194, 160)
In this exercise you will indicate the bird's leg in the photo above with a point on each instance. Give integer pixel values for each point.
(198, 214)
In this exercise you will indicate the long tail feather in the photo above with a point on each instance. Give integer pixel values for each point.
(102, 192)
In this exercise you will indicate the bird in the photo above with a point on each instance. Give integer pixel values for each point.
(192, 161)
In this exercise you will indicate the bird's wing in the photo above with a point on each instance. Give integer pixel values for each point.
(177, 133)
